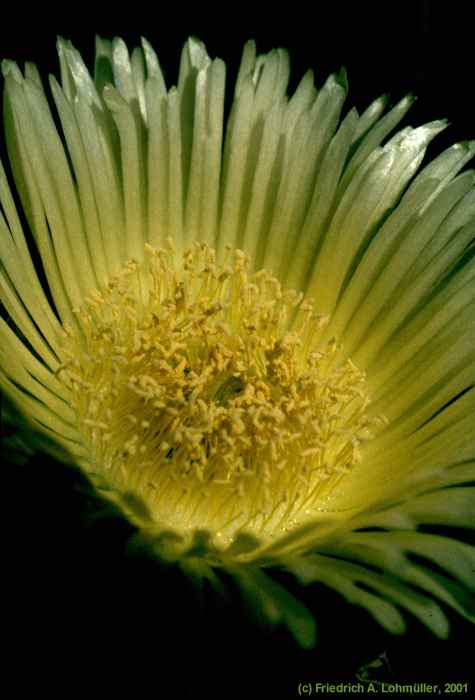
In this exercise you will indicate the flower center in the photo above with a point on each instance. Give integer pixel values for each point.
(206, 391)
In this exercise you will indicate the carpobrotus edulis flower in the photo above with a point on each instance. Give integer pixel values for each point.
(255, 334)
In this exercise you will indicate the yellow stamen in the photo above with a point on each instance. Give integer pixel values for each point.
(207, 391)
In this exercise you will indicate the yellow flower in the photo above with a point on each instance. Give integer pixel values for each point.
(255, 334)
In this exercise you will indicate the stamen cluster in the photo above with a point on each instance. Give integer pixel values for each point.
(206, 389)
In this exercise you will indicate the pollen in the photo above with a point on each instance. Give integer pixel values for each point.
(207, 391)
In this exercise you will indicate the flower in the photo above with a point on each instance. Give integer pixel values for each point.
(254, 337)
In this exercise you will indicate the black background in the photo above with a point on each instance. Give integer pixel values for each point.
(79, 611)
